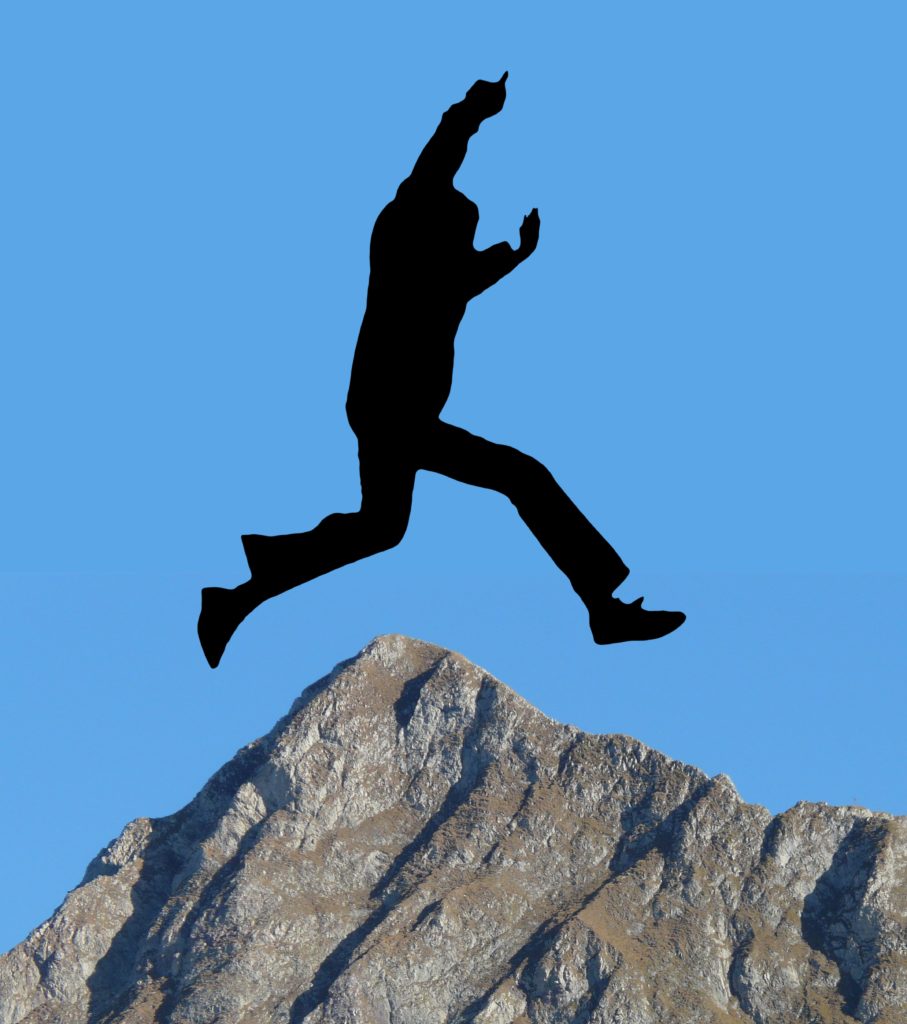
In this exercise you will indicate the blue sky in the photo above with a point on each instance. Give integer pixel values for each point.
(189, 192)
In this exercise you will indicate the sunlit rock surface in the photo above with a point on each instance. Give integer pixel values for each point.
(415, 843)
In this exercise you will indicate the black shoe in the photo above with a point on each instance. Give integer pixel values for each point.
(222, 612)
(614, 622)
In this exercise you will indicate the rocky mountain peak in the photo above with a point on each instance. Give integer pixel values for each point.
(415, 842)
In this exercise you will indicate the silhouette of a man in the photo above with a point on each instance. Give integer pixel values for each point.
(424, 271)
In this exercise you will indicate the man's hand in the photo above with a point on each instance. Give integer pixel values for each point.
(486, 99)
(529, 233)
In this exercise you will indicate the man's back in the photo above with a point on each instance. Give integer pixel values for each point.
(420, 256)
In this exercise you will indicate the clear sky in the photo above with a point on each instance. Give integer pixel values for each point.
(707, 349)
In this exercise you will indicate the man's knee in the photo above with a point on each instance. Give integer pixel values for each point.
(523, 475)
(369, 530)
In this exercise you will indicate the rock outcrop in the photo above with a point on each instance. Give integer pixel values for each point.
(415, 843)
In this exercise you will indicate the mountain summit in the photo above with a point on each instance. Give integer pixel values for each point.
(415, 843)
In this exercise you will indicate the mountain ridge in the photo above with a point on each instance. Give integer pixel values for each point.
(411, 813)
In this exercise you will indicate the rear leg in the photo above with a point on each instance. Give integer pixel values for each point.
(258, 550)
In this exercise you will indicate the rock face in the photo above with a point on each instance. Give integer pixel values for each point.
(414, 843)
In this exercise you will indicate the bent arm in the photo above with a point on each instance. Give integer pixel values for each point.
(490, 265)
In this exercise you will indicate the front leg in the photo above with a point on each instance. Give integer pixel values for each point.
(490, 265)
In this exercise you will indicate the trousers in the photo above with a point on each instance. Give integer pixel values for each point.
(388, 463)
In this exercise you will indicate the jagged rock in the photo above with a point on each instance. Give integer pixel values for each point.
(416, 843)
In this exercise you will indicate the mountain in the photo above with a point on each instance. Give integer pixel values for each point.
(415, 843)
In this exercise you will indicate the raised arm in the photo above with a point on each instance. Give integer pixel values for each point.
(490, 265)
(446, 149)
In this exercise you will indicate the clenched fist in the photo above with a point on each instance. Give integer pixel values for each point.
(487, 98)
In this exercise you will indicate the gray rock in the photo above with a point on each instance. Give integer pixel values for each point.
(414, 843)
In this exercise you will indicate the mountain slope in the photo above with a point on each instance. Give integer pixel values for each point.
(414, 843)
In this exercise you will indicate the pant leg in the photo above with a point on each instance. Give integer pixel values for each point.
(590, 563)
(387, 475)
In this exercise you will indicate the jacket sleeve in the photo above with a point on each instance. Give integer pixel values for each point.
(488, 266)
(445, 151)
